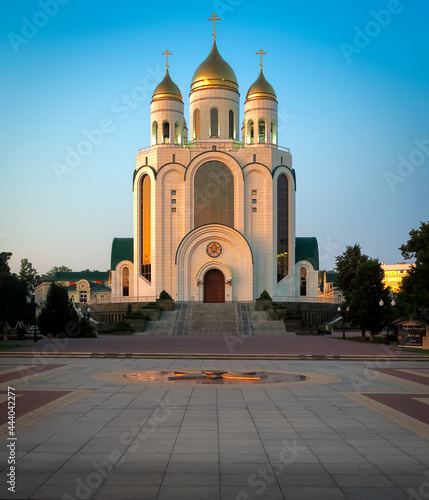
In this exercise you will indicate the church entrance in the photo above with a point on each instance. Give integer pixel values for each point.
(214, 286)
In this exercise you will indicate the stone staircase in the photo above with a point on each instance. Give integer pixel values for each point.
(200, 319)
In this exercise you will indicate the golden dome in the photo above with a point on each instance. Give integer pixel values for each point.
(167, 89)
(214, 72)
(261, 89)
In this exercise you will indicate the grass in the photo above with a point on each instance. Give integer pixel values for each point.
(4, 347)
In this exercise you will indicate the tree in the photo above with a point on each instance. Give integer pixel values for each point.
(4, 262)
(58, 312)
(346, 265)
(56, 269)
(13, 299)
(413, 298)
(29, 275)
(367, 291)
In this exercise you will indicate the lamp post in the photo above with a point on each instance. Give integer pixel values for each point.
(381, 304)
(343, 310)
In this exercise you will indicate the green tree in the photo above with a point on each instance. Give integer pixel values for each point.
(4, 262)
(56, 269)
(413, 298)
(29, 275)
(346, 267)
(367, 291)
(58, 315)
(13, 299)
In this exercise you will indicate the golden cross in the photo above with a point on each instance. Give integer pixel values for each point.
(167, 53)
(214, 18)
(261, 52)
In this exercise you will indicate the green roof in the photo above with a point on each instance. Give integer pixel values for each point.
(122, 249)
(331, 277)
(83, 275)
(307, 249)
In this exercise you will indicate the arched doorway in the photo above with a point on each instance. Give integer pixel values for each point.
(214, 286)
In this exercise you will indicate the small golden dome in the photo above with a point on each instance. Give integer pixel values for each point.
(167, 89)
(261, 89)
(214, 72)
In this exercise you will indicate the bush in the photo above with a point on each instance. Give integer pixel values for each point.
(150, 304)
(265, 295)
(164, 295)
(136, 315)
(122, 325)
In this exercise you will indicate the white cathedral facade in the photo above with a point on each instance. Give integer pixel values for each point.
(214, 204)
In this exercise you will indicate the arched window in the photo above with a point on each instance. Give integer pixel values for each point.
(197, 124)
(154, 133)
(145, 229)
(282, 227)
(231, 123)
(261, 131)
(214, 122)
(303, 282)
(166, 132)
(273, 132)
(214, 195)
(177, 133)
(72, 298)
(125, 282)
(102, 298)
(250, 132)
(94, 297)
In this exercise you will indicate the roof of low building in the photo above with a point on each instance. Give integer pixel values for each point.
(80, 275)
(307, 248)
(122, 249)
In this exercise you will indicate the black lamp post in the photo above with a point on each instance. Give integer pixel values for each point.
(381, 304)
(343, 310)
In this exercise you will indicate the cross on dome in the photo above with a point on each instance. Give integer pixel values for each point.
(214, 18)
(261, 53)
(167, 53)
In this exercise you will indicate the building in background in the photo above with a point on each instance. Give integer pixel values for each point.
(394, 274)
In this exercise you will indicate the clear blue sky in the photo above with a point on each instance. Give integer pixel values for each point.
(352, 82)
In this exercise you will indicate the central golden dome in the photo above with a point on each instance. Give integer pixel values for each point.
(214, 72)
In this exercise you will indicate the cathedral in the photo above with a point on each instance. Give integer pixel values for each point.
(214, 203)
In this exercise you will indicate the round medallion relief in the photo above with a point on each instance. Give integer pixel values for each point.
(214, 249)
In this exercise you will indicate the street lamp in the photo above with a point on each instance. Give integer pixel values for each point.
(35, 318)
(381, 304)
(343, 310)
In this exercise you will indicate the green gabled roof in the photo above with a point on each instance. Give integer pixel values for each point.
(84, 275)
(307, 249)
(122, 249)
(331, 277)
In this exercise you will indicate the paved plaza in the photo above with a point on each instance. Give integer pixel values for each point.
(109, 428)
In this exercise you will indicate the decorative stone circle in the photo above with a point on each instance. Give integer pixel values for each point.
(214, 377)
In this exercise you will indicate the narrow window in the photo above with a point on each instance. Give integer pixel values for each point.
(282, 227)
(214, 122)
(166, 132)
(154, 133)
(273, 132)
(125, 282)
(197, 124)
(177, 133)
(145, 228)
(173, 209)
(261, 131)
(173, 193)
(250, 132)
(254, 209)
(231, 124)
(102, 298)
(303, 281)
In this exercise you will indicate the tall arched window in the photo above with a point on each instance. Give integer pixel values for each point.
(282, 227)
(166, 132)
(197, 124)
(214, 122)
(154, 133)
(177, 133)
(145, 230)
(250, 132)
(214, 195)
(125, 282)
(261, 131)
(273, 132)
(231, 124)
(303, 281)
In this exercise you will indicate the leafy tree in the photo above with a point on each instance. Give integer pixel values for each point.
(57, 312)
(29, 275)
(56, 269)
(367, 291)
(413, 298)
(13, 299)
(346, 266)
(4, 262)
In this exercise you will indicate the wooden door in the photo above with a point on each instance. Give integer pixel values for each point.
(214, 286)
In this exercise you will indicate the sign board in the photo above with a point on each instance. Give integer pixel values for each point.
(410, 334)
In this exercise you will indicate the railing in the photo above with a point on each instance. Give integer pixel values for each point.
(205, 145)
(313, 300)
